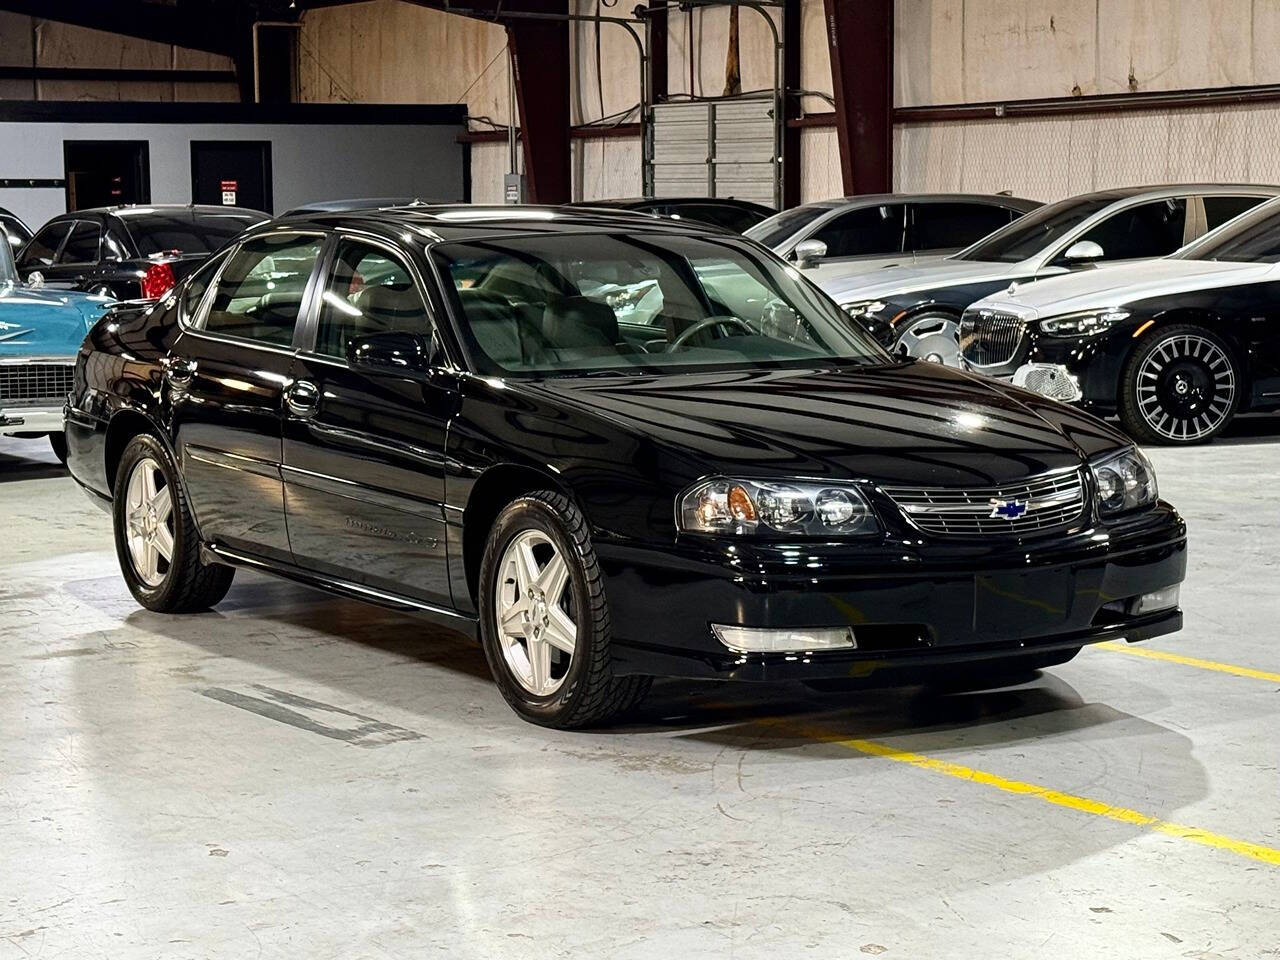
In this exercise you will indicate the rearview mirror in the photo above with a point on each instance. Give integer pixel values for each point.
(809, 253)
(404, 353)
(1083, 251)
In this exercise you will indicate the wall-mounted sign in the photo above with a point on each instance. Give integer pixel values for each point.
(229, 190)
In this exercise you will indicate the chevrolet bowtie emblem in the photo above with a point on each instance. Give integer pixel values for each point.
(1009, 509)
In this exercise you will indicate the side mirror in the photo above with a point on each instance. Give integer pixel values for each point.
(809, 253)
(1083, 251)
(402, 353)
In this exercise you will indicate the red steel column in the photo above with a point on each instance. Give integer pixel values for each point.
(540, 49)
(860, 42)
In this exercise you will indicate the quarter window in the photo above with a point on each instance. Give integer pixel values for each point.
(864, 232)
(1218, 210)
(82, 245)
(259, 294)
(1147, 230)
(44, 246)
(369, 291)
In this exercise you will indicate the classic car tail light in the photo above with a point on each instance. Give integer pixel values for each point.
(157, 281)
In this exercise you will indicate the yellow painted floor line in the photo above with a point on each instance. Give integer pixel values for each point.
(1243, 848)
(1121, 646)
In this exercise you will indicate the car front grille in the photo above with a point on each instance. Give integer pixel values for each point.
(990, 339)
(1041, 503)
(34, 384)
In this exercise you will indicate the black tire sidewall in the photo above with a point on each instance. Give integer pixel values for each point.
(1131, 413)
(140, 447)
(534, 513)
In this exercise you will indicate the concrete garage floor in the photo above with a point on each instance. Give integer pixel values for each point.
(299, 776)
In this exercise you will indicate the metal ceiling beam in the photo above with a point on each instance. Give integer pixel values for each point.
(213, 29)
(860, 42)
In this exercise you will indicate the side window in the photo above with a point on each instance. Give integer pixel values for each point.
(1218, 210)
(193, 292)
(1148, 230)
(864, 232)
(940, 226)
(368, 291)
(259, 294)
(43, 247)
(82, 245)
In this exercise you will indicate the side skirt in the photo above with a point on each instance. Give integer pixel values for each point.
(217, 553)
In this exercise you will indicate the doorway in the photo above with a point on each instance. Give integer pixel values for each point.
(104, 173)
(232, 173)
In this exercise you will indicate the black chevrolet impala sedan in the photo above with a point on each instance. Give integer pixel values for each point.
(613, 449)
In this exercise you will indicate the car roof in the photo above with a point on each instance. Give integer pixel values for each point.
(127, 210)
(453, 222)
(630, 202)
(874, 199)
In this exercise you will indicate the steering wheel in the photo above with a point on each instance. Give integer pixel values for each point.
(707, 324)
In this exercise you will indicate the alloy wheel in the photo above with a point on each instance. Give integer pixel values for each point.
(149, 519)
(1186, 388)
(932, 338)
(533, 609)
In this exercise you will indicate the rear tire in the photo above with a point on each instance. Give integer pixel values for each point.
(156, 540)
(544, 620)
(1181, 386)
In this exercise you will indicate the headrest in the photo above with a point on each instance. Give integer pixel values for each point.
(579, 322)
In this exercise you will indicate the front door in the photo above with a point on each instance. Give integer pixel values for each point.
(364, 452)
(227, 377)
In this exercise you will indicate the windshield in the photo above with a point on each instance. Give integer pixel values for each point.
(1042, 228)
(188, 232)
(780, 226)
(1253, 237)
(582, 303)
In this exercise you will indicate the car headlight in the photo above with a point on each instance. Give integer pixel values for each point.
(769, 507)
(1123, 481)
(1082, 324)
(865, 308)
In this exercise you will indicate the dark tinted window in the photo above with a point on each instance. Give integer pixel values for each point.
(1218, 210)
(863, 232)
(1041, 228)
(777, 228)
(1147, 230)
(369, 291)
(730, 217)
(44, 245)
(195, 288)
(82, 245)
(187, 232)
(1254, 239)
(942, 225)
(259, 294)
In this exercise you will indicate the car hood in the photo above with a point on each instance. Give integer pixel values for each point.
(895, 281)
(905, 423)
(1121, 284)
(45, 323)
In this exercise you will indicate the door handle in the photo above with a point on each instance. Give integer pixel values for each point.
(179, 372)
(302, 398)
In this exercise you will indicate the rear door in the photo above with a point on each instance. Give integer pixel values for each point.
(41, 253)
(77, 261)
(364, 451)
(226, 375)
(938, 228)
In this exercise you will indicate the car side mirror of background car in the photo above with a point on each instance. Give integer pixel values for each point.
(1083, 252)
(809, 253)
(403, 353)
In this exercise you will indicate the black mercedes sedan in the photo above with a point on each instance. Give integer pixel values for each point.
(728, 212)
(128, 252)
(613, 450)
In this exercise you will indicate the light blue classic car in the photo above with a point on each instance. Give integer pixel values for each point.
(40, 333)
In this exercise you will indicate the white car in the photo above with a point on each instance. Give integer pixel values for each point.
(834, 239)
(915, 310)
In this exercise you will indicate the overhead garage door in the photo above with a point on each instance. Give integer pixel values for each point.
(718, 148)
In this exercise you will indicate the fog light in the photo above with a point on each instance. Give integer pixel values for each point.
(794, 640)
(1162, 599)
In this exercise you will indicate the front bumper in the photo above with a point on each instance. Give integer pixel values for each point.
(935, 603)
(31, 419)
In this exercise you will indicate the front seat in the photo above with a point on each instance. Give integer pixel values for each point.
(581, 326)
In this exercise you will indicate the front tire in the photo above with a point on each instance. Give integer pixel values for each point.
(544, 620)
(1181, 386)
(930, 336)
(156, 540)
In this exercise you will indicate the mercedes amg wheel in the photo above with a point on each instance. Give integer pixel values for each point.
(1181, 386)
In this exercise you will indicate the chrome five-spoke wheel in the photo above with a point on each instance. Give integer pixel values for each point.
(149, 516)
(1185, 387)
(533, 607)
(933, 337)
